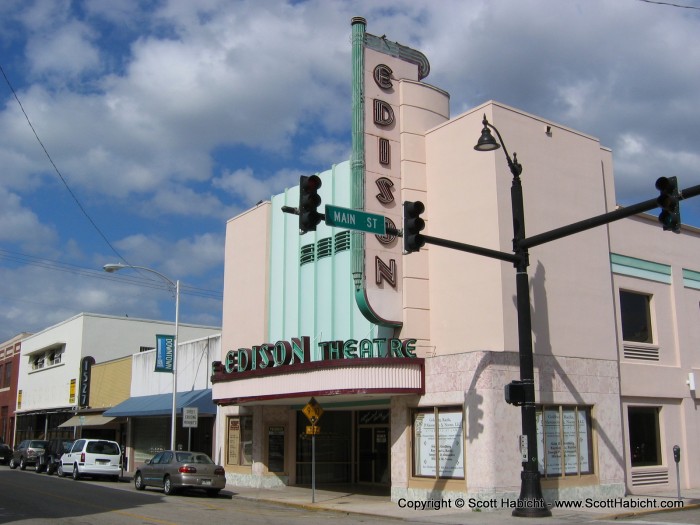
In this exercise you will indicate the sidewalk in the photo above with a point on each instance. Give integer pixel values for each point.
(346, 500)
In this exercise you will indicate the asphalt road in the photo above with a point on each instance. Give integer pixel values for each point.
(29, 498)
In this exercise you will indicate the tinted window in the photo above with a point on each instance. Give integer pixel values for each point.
(38, 444)
(78, 445)
(103, 447)
(636, 317)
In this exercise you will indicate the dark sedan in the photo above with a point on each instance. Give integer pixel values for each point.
(173, 470)
(5, 452)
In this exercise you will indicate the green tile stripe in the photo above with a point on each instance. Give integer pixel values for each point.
(624, 265)
(691, 279)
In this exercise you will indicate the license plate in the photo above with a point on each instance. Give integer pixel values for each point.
(206, 482)
(102, 462)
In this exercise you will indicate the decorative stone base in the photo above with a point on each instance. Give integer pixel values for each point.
(252, 480)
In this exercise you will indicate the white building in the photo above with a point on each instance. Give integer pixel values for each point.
(54, 372)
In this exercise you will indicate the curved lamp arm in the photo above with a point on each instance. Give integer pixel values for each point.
(115, 267)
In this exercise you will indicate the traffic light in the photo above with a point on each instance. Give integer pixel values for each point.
(515, 393)
(412, 226)
(669, 202)
(309, 201)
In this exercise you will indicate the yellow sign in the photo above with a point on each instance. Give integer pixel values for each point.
(312, 411)
(312, 430)
(71, 398)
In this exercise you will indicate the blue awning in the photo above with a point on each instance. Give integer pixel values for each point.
(162, 404)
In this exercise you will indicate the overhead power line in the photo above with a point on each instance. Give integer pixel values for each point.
(144, 282)
(670, 4)
(58, 172)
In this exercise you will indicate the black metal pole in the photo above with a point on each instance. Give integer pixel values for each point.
(531, 503)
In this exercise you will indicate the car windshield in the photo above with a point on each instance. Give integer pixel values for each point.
(103, 447)
(193, 457)
(38, 444)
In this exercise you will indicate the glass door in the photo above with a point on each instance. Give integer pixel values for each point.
(373, 455)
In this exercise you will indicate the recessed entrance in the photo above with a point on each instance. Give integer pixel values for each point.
(353, 446)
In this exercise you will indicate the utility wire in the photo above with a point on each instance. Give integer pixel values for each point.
(58, 172)
(670, 4)
(147, 281)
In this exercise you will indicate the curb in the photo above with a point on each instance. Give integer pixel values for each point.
(646, 512)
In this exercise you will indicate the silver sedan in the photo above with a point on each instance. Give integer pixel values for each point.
(173, 470)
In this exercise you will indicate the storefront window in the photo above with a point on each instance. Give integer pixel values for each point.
(240, 440)
(645, 445)
(438, 443)
(564, 441)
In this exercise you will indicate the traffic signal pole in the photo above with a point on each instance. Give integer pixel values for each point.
(531, 502)
(600, 220)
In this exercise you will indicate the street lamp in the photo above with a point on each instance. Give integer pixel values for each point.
(111, 268)
(531, 502)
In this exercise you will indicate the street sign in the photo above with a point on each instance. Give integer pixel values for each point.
(355, 220)
(190, 417)
(312, 411)
(312, 430)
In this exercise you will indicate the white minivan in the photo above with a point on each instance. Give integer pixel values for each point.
(92, 457)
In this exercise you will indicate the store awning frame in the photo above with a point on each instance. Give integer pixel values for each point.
(162, 404)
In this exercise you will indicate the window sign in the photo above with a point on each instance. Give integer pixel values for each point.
(424, 428)
(438, 450)
(234, 441)
(583, 442)
(570, 441)
(552, 442)
(564, 441)
(451, 457)
(275, 449)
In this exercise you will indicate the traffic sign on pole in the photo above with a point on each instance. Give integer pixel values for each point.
(355, 220)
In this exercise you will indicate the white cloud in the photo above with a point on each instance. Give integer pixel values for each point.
(21, 225)
(250, 188)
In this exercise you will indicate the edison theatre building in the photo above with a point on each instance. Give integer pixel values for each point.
(406, 355)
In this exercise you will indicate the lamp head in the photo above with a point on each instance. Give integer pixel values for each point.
(111, 268)
(486, 141)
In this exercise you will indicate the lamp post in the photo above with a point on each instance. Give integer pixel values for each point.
(111, 268)
(530, 502)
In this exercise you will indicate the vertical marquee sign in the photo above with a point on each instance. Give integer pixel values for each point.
(85, 376)
(378, 66)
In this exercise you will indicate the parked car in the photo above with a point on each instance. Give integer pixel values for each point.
(5, 452)
(27, 453)
(92, 457)
(51, 458)
(175, 470)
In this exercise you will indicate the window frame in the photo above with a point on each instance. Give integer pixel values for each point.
(656, 409)
(560, 440)
(245, 425)
(439, 468)
(650, 327)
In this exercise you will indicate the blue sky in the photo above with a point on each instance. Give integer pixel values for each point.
(164, 119)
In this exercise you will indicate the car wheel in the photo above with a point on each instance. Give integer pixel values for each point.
(22, 464)
(13, 465)
(168, 486)
(212, 493)
(76, 473)
(138, 482)
(60, 471)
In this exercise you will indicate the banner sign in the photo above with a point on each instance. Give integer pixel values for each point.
(165, 346)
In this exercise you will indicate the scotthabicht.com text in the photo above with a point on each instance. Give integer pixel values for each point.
(506, 503)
